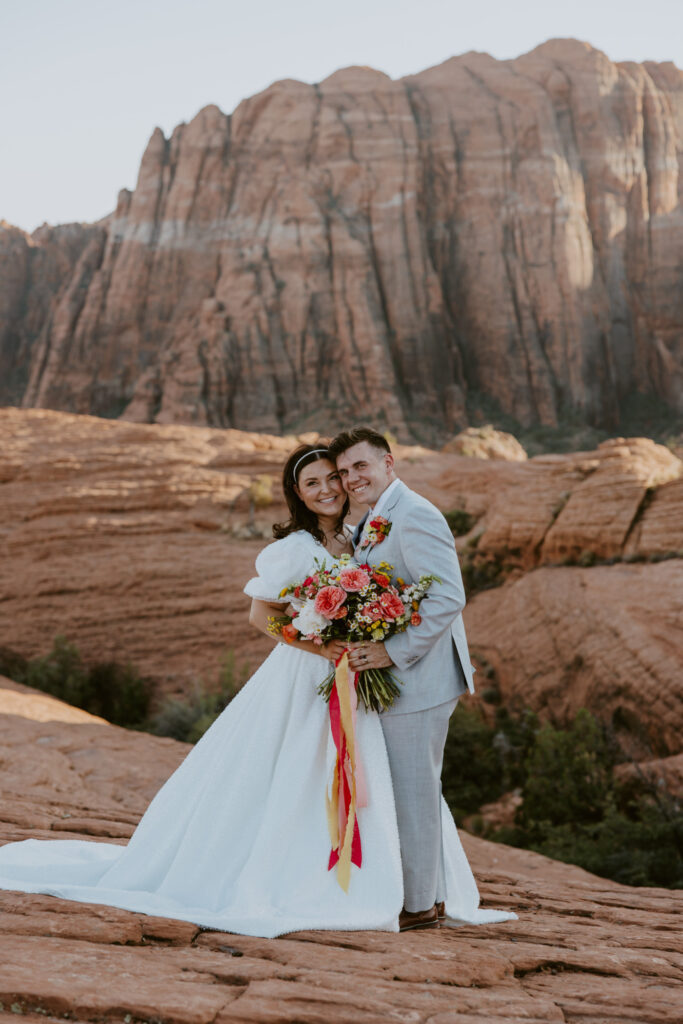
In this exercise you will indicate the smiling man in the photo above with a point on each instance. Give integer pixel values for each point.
(431, 659)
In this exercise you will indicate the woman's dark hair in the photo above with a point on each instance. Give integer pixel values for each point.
(301, 518)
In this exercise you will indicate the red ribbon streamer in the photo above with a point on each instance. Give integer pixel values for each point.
(343, 802)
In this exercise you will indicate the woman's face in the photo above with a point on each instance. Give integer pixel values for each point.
(319, 487)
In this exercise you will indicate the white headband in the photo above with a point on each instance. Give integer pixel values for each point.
(315, 451)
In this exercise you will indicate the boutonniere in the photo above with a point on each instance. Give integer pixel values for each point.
(375, 532)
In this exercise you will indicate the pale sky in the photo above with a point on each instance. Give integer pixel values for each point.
(84, 82)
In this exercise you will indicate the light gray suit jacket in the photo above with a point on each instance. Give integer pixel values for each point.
(432, 660)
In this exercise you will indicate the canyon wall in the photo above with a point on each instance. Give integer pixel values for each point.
(37, 272)
(484, 235)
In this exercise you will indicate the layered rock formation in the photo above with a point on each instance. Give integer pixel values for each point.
(583, 949)
(129, 539)
(486, 443)
(37, 273)
(484, 231)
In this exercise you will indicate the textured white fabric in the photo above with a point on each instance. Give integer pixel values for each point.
(237, 838)
(283, 562)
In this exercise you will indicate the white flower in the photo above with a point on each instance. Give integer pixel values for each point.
(309, 622)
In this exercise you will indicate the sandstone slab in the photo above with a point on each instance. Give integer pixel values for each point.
(580, 946)
(123, 537)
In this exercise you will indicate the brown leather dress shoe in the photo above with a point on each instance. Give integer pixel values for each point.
(441, 911)
(420, 919)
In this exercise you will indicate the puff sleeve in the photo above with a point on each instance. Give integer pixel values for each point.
(281, 563)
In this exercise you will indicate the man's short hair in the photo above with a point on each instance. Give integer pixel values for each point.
(348, 438)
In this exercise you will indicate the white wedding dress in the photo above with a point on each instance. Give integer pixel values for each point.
(237, 838)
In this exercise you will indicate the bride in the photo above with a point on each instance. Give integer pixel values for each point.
(237, 838)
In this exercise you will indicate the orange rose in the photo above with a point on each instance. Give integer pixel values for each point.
(289, 633)
(415, 619)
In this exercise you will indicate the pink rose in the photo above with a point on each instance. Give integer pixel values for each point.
(392, 605)
(329, 600)
(353, 580)
(374, 611)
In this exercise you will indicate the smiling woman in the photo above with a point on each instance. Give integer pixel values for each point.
(315, 498)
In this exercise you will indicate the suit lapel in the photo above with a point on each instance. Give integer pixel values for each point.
(355, 540)
(384, 512)
(394, 499)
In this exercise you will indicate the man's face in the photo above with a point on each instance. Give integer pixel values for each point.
(365, 472)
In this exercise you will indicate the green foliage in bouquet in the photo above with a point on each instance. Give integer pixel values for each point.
(377, 689)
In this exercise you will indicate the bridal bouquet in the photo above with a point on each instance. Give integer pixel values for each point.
(350, 602)
(353, 602)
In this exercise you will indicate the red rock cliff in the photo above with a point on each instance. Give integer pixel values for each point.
(508, 229)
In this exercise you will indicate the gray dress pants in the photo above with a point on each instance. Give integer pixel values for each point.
(415, 744)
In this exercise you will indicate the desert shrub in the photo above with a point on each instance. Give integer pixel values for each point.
(481, 760)
(575, 809)
(573, 806)
(188, 718)
(480, 573)
(108, 689)
(459, 521)
(469, 743)
(579, 763)
(118, 694)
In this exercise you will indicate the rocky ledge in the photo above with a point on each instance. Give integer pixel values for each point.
(583, 949)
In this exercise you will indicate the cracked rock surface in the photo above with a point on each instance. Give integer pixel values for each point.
(584, 950)
(131, 540)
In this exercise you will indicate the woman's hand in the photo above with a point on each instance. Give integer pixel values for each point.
(333, 649)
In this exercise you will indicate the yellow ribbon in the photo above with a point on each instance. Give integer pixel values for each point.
(334, 802)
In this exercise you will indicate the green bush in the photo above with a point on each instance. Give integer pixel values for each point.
(187, 719)
(469, 743)
(480, 573)
(483, 761)
(459, 521)
(118, 694)
(573, 807)
(568, 774)
(108, 689)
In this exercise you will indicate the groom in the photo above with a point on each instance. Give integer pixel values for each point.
(430, 659)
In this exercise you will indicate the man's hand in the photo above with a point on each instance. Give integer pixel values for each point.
(368, 655)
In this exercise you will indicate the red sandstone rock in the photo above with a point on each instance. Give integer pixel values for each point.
(36, 272)
(499, 228)
(607, 638)
(486, 443)
(121, 536)
(583, 949)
